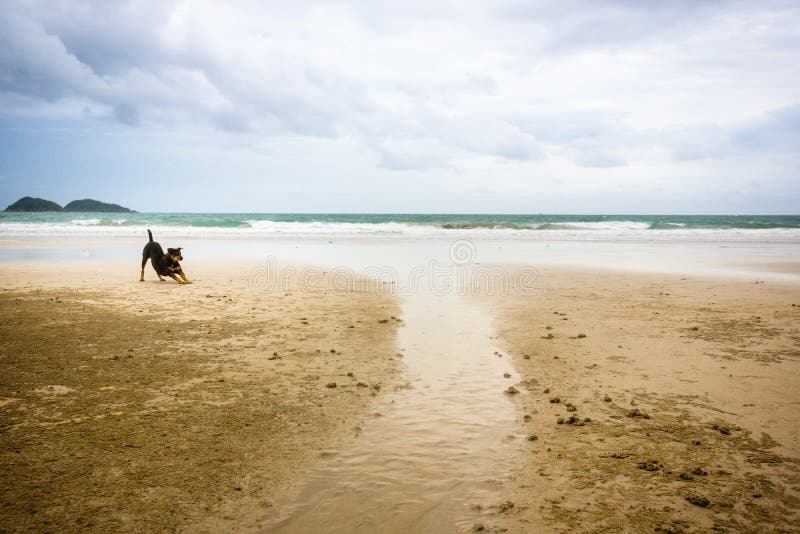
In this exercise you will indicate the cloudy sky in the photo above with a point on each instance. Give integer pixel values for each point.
(364, 106)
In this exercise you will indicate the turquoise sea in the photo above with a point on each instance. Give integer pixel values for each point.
(749, 227)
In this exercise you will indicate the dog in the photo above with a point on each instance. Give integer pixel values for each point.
(164, 264)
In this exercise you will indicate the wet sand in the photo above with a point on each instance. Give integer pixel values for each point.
(436, 451)
(658, 403)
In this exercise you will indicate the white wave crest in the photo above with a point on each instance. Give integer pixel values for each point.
(85, 222)
(599, 225)
(325, 228)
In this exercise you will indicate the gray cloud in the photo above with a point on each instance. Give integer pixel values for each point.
(777, 131)
(598, 84)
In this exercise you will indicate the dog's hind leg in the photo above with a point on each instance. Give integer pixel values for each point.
(160, 278)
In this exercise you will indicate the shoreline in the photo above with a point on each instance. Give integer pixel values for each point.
(774, 261)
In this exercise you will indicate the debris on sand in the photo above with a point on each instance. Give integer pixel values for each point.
(638, 413)
(650, 465)
(548, 336)
(617, 455)
(699, 471)
(698, 500)
(526, 356)
(362, 385)
(571, 407)
(512, 390)
(479, 527)
(555, 400)
(330, 385)
(686, 476)
(580, 336)
(607, 398)
(721, 429)
(505, 507)
(533, 437)
(383, 321)
(573, 420)
(506, 375)
(546, 390)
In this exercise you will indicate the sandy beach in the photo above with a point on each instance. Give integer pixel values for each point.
(655, 403)
(640, 402)
(152, 406)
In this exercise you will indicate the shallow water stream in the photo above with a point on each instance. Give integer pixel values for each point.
(441, 445)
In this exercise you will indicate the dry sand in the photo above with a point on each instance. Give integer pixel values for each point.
(153, 406)
(679, 402)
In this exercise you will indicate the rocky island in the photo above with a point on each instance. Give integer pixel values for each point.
(85, 205)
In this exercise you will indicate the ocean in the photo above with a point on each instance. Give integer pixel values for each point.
(750, 228)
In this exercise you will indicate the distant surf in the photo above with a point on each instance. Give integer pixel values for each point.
(767, 228)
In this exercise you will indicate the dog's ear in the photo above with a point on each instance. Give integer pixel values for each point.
(171, 250)
(179, 249)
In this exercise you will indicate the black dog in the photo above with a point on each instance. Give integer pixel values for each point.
(164, 264)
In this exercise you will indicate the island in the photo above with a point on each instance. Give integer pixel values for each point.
(85, 205)
(34, 204)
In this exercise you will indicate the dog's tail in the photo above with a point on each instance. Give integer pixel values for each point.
(150, 234)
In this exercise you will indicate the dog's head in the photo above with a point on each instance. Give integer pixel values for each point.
(175, 255)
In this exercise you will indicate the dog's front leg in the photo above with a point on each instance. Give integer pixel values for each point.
(172, 275)
(182, 275)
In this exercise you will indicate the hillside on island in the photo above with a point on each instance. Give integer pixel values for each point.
(85, 205)
(34, 204)
(88, 204)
